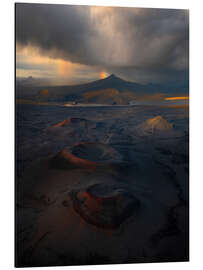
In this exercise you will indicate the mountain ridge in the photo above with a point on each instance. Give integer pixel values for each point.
(102, 88)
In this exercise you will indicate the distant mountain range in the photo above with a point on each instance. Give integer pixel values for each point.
(111, 90)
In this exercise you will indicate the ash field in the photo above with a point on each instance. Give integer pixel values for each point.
(101, 185)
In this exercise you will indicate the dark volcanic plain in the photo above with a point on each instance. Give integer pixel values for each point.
(101, 184)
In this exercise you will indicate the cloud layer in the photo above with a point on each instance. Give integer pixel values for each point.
(137, 44)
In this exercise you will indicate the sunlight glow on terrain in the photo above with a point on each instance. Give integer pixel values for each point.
(176, 98)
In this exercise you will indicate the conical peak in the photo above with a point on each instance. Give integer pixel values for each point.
(113, 76)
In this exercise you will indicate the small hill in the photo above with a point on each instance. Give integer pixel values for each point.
(158, 123)
(106, 96)
(44, 92)
(155, 125)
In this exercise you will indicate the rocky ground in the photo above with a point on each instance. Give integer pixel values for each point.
(103, 185)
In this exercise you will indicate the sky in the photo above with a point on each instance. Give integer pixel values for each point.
(67, 44)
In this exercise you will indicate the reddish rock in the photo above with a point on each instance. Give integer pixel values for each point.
(104, 206)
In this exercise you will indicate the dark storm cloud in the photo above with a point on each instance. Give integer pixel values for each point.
(137, 43)
(57, 30)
